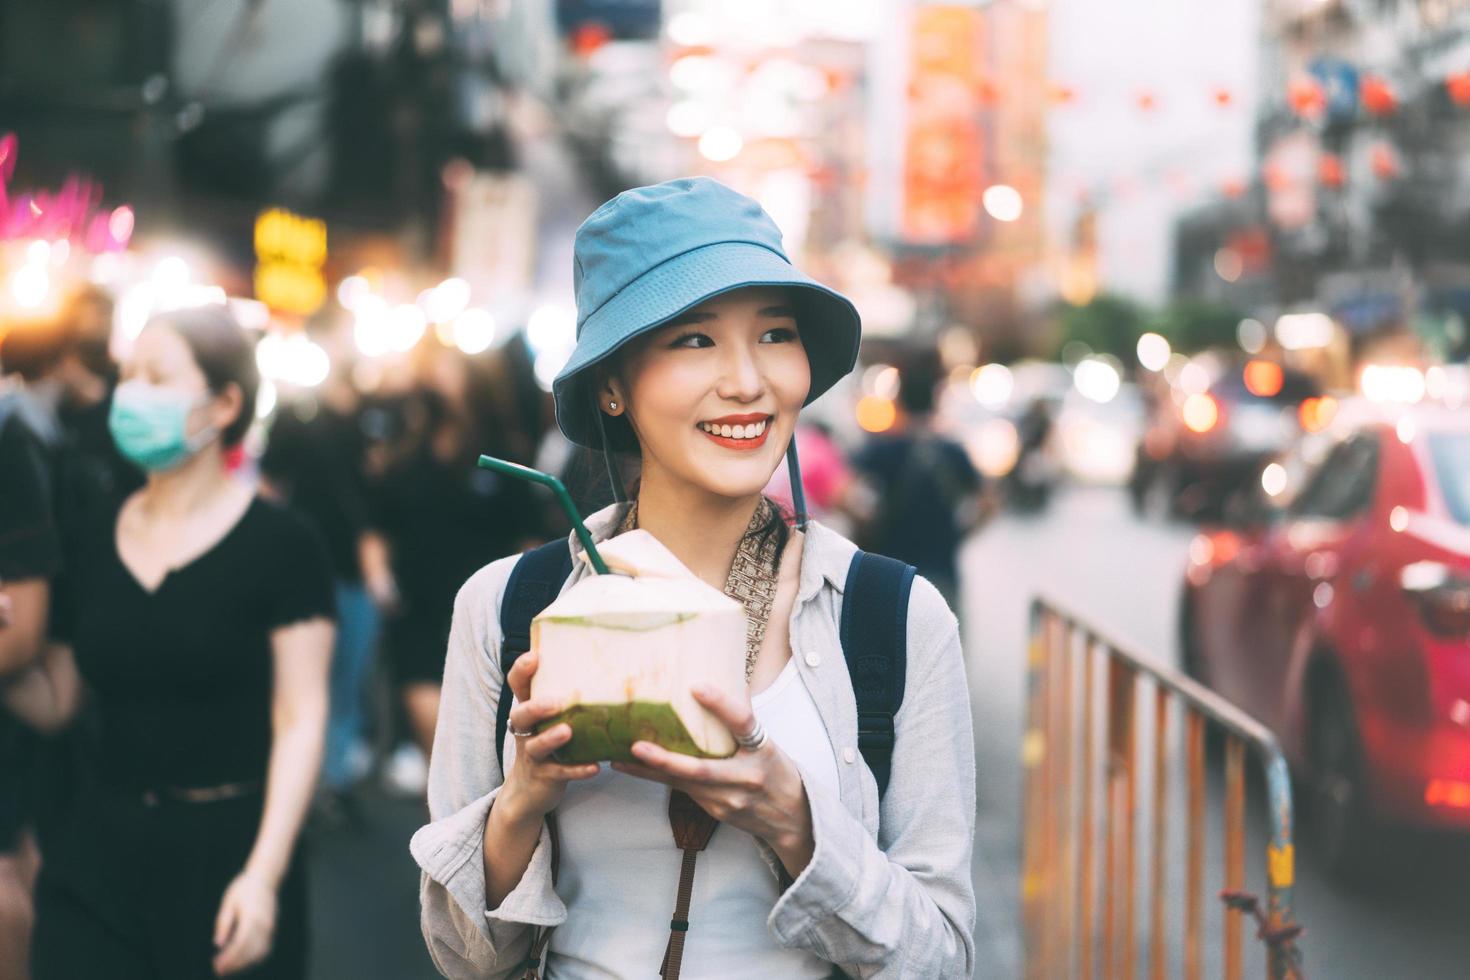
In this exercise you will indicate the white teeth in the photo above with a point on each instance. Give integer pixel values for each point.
(752, 431)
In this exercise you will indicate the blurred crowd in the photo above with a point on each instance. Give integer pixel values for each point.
(219, 622)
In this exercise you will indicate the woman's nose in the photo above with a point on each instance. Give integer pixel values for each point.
(741, 379)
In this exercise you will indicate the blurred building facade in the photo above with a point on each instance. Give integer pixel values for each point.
(1359, 205)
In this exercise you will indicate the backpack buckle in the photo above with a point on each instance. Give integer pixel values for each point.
(875, 730)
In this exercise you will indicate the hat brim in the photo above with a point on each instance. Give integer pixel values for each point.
(829, 323)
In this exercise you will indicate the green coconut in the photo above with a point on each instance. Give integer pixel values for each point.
(623, 652)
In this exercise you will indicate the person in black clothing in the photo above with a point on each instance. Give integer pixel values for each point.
(30, 554)
(928, 493)
(201, 624)
(444, 518)
(315, 459)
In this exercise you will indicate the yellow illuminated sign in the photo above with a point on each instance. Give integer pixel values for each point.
(290, 250)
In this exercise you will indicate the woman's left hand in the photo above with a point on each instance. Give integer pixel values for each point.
(759, 791)
(245, 926)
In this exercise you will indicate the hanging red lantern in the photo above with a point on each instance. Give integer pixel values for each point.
(1147, 101)
(589, 38)
(1224, 98)
(1458, 85)
(1378, 96)
(1276, 177)
(1384, 160)
(1306, 97)
(987, 93)
(1233, 187)
(1330, 170)
(1063, 94)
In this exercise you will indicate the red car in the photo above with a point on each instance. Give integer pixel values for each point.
(1342, 621)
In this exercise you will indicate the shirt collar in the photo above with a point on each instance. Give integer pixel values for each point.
(825, 554)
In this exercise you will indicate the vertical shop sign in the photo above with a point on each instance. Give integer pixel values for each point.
(943, 162)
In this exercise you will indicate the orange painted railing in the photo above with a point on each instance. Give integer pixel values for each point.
(1096, 715)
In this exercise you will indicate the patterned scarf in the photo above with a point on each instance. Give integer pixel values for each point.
(752, 581)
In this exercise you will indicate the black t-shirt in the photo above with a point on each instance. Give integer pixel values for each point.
(30, 543)
(30, 548)
(317, 460)
(181, 676)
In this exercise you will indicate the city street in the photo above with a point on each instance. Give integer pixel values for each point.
(1092, 554)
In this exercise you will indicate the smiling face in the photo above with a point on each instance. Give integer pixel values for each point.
(713, 395)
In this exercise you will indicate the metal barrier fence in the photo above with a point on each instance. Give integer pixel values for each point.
(1082, 809)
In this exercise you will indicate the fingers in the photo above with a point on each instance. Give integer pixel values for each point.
(676, 765)
(520, 676)
(734, 712)
(529, 713)
(225, 922)
(249, 944)
(539, 749)
(647, 772)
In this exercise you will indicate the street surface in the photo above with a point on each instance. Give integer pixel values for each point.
(1089, 552)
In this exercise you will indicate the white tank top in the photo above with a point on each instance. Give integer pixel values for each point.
(620, 870)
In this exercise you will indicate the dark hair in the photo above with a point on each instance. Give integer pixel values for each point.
(919, 373)
(224, 353)
(32, 347)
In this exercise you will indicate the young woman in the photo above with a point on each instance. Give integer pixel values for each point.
(698, 344)
(202, 628)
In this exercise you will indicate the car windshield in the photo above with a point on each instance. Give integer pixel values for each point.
(1450, 452)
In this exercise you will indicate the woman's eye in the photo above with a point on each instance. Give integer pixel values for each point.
(780, 335)
(692, 339)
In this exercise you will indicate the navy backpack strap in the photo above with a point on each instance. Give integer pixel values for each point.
(534, 582)
(874, 632)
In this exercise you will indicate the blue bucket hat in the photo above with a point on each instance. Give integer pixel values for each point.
(651, 253)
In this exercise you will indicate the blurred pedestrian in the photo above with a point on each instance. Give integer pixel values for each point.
(443, 517)
(314, 458)
(927, 494)
(30, 555)
(693, 324)
(201, 625)
(825, 477)
(87, 375)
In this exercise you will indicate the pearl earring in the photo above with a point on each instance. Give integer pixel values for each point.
(612, 406)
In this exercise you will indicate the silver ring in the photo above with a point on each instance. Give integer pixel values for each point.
(517, 734)
(756, 740)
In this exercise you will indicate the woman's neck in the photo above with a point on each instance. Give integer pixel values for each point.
(187, 487)
(703, 530)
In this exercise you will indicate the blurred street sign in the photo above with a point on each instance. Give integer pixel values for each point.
(290, 251)
(623, 19)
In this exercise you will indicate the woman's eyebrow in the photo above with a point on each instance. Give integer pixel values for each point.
(781, 311)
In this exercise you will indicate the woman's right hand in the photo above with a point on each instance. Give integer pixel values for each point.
(535, 783)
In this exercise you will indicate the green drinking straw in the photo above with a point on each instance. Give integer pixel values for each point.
(562, 497)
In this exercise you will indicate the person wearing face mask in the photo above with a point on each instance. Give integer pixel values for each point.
(697, 346)
(201, 626)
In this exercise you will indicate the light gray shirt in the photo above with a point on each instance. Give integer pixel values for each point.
(887, 892)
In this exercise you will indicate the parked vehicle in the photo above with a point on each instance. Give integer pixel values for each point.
(1210, 433)
(1341, 619)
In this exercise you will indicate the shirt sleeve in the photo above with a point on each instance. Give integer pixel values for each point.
(301, 587)
(30, 542)
(902, 905)
(465, 939)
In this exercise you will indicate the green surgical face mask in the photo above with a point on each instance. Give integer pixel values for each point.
(150, 425)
